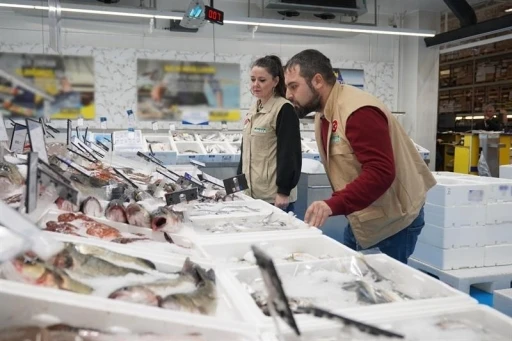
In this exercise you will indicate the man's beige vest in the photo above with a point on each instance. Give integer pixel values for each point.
(400, 205)
(259, 163)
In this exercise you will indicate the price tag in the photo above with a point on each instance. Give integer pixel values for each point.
(3, 131)
(131, 117)
(103, 123)
(37, 140)
(80, 122)
(172, 127)
(224, 125)
(154, 126)
(18, 138)
(277, 300)
(184, 196)
(212, 180)
(235, 184)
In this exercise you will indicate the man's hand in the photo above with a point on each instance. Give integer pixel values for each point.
(317, 214)
(282, 201)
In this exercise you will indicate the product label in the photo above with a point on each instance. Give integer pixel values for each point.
(476, 195)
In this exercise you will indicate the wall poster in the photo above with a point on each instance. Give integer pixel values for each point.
(37, 85)
(350, 77)
(192, 92)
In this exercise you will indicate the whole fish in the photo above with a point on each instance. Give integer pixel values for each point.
(165, 218)
(116, 212)
(201, 301)
(42, 274)
(10, 179)
(150, 293)
(111, 256)
(91, 207)
(88, 265)
(138, 216)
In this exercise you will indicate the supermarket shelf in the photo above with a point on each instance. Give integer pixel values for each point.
(469, 59)
(476, 85)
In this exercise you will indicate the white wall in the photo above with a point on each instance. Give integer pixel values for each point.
(116, 47)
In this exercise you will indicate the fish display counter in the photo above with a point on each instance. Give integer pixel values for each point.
(136, 267)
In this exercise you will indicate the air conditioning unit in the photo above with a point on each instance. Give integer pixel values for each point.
(353, 8)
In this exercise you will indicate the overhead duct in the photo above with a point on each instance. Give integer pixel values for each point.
(469, 26)
(353, 8)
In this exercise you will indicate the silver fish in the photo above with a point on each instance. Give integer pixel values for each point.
(113, 257)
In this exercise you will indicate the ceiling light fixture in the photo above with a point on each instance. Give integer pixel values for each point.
(299, 25)
(508, 10)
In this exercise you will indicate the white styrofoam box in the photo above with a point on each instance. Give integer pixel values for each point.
(234, 138)
(449, 259)
(457, 192)
(411, 325)
(201, 225)
(499, 234)
(184, 146)
(183, 136)
(502, 301)
(454, 238)
(231, 252)
(424, 152)
(227, 307)
(409, 281)
(167, 157)
(498, 255)
(448, 174)
(455, 216)
(506, 171)
(498, 213)
(210, 136)
(228, 156)
(500, 189)
(29, 305)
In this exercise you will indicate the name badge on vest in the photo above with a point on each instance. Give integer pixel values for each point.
(335, 138)
(260, 130)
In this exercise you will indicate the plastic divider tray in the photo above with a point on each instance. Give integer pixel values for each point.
(24, 305)
(440, 293)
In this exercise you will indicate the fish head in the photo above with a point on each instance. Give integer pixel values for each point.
(165, 217)
(63, 260)
(136, 294)
(34, 271)
(10, 175)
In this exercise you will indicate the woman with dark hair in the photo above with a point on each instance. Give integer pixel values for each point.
(271, 147)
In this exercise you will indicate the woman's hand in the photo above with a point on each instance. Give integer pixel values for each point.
(282, 201)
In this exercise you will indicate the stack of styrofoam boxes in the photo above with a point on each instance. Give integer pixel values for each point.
(467, 223)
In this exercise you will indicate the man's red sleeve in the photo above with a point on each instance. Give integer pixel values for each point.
(368, 133)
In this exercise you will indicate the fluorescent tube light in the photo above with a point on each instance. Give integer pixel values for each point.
(508, 10)
(299, 25)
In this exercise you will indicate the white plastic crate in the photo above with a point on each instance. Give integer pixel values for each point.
(227, 156)
(231, 252)
(168, 156)
(457, 192)
(478, 315)
(449, 259)
(439, 293)
(189, 150)
(499, 234)
(455, 216)
(24, 305)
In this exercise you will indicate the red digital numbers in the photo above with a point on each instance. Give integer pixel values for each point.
(214, 15)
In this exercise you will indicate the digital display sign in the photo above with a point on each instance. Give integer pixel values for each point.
(214, 15)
